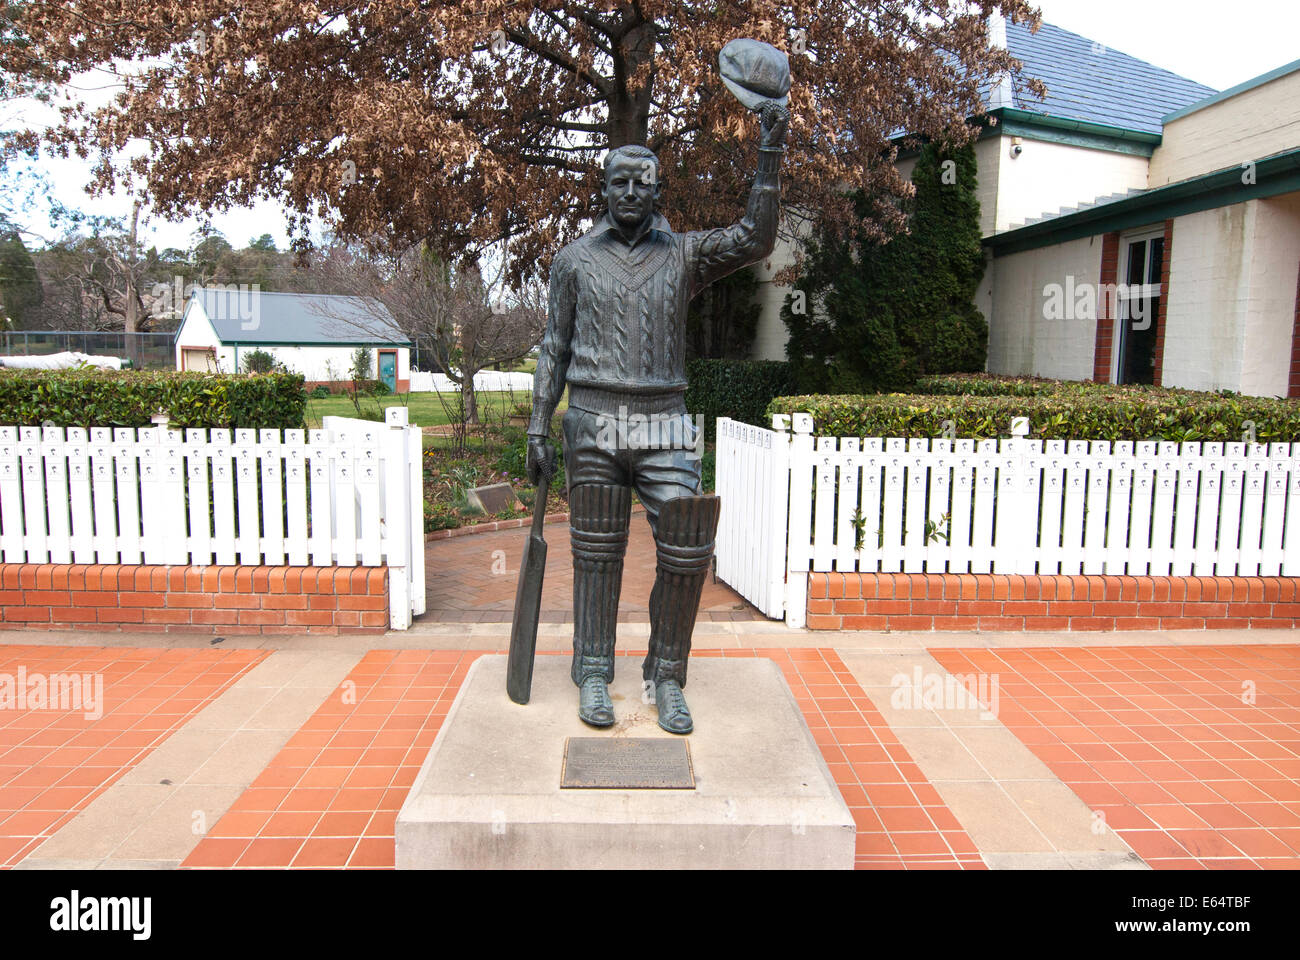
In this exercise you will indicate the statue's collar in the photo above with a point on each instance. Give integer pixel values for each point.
(657, 222)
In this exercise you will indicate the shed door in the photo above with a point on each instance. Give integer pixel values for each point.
(388, 370)
(198, 358)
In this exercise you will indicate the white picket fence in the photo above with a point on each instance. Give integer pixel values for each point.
(794, 504)
(350, 493)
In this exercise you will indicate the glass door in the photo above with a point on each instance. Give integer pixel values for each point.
(1142, 260)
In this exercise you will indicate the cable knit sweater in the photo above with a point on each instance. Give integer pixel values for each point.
(617, 313)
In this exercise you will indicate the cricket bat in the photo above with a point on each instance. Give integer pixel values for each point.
(528, 604)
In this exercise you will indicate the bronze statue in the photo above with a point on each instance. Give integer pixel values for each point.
(616, 335)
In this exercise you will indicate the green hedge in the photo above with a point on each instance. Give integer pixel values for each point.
(739, 389)
(988, 385)
(1083, 415)
(85, 398)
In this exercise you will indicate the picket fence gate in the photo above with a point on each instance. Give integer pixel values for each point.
(794, 504)
(348, 494)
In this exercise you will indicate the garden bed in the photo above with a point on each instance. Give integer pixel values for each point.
(448, 478)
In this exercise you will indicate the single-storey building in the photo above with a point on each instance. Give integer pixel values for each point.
(1140, 227)
(316, 335)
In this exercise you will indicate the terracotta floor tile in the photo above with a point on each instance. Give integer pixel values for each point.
(1282, 790)
(239, 824)
(287, 824)
(31, 823)
(1258, 843)
(1221, 815)
(1192, 791)
(873, 773)
(68, 759)
(382, 824)
(1125, 817)
(313, 799)
(371, 852)
(1191, 757)
(219, 852)
(1205, 843)
(1270, 814)
(342, 824)
(910, 844)
(1144, 791)
(261, 852)
(867, 820)
(279, 777)
(905, 818)
(326, 852)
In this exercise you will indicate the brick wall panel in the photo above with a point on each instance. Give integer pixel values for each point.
(1085, 603)
(229, 599)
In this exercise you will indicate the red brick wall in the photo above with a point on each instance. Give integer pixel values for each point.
(215, 599)
(1101, 355)
(1164, 302)
(917, 601)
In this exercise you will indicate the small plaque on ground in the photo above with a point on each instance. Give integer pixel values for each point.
(493, 498)
(626, 763)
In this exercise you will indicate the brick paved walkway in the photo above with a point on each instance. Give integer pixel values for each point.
(1155, 750)
(473, 579)
(54, 762)
(1191, 754)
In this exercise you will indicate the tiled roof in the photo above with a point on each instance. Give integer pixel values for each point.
(1089, 82)
(252, 316)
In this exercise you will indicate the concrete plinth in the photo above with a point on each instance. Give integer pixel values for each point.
(488, 795)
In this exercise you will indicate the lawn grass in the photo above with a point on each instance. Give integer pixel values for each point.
(526, 365)
(425, 409)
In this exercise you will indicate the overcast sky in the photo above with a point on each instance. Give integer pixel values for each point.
(1215, 43)
(1219, 44)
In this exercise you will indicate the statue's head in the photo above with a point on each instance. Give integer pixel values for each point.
(631, 184)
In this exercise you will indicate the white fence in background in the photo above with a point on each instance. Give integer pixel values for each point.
(488, 380)
(794, 504)
(348, 494)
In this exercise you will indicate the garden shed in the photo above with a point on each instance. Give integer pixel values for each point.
(316, 335)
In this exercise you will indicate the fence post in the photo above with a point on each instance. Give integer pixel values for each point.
(153, 520)
(397, 517)
(56, 494)
(799, 542)
(778, 482)
(724, 552)
(415, 484)
(1017, 553)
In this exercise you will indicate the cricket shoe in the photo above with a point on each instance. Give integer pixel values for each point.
(594, 706)
(674, 715)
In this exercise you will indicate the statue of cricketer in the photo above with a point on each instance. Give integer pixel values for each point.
(616, 335)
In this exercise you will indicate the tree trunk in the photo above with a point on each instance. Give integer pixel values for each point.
(629, 108)
(131, 314)
(471, 401)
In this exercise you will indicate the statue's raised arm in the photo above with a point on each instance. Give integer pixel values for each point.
(725, 250)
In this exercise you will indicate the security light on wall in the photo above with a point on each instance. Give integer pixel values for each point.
(1017, 148)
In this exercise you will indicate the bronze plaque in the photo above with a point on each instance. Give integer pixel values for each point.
(626, 763)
